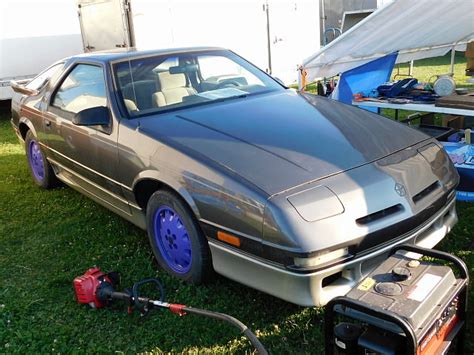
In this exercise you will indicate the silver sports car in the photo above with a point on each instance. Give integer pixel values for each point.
(290, 193)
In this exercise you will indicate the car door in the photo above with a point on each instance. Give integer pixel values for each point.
(85, 157)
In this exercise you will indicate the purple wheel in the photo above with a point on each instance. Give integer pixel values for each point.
(172, 239)
(179, 246)
(35, 159)
(41, 170)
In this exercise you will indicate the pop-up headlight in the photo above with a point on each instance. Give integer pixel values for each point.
(316, 203)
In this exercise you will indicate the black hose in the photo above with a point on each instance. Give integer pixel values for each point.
(231, 320)
(136, 300)
(137, 285)
(255, 342)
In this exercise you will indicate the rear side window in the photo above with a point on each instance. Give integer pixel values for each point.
(41, 79)
(83, 88)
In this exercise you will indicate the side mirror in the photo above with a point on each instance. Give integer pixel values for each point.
(21, 89)
(94, 116)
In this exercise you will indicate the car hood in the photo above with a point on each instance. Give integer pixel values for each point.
(280, 140)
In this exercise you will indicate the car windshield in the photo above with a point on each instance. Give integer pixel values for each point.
(162, 83)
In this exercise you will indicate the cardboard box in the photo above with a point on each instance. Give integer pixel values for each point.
(470, 65)
(470, 50)
(453, 121)
(470, 58)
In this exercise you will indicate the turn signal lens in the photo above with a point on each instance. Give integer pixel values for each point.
(231, 239)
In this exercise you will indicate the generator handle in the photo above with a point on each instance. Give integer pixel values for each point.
(373, 311)
(461, 266)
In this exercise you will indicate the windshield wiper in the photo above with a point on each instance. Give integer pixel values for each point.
(241, 96)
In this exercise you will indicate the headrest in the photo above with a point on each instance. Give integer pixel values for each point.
(171, 81)
(130, 105)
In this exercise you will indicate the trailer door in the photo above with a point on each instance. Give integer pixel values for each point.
(294, 35)
(236, 25)
(105, 24)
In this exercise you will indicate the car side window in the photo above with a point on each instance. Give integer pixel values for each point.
(83, 88)
(41, 79)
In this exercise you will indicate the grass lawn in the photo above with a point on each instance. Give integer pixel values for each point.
(49, 237)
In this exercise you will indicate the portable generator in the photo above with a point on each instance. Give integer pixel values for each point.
(404, 306)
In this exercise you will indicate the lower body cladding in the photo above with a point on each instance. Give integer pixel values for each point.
(318, 288)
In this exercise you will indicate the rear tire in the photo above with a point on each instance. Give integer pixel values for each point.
(177, 241)
(40, 169)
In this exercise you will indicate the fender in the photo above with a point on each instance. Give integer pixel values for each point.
(26, 121)
(172, 183)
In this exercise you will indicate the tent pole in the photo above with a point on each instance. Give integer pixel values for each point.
(323, 17)
(453, 53)
(269, 45)
(410, 70)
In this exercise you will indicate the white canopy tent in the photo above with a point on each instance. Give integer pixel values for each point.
(416, 29)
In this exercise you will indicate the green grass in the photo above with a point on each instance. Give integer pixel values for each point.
(49, 237)
(425, 69)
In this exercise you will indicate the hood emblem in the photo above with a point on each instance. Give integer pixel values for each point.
(400, 189)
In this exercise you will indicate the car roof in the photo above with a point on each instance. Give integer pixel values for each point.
(128, 53)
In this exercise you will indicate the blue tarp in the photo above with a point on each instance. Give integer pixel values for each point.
(364, 79)
(462, 156)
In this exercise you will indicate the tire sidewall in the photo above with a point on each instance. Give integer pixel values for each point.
(199, 269)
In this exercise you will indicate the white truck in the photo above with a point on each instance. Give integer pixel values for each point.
(33, 35)
(273, 34)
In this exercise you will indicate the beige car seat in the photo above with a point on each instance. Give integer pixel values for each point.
(131, 106)
(173, 89)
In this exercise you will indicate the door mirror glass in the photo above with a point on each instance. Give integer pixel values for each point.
(94, 116)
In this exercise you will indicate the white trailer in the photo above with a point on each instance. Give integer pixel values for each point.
(33, 35)
(273, 34)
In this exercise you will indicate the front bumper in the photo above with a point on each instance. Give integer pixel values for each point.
(318, 288)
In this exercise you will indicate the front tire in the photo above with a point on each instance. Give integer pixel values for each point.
(40, 169)
(177, 241)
